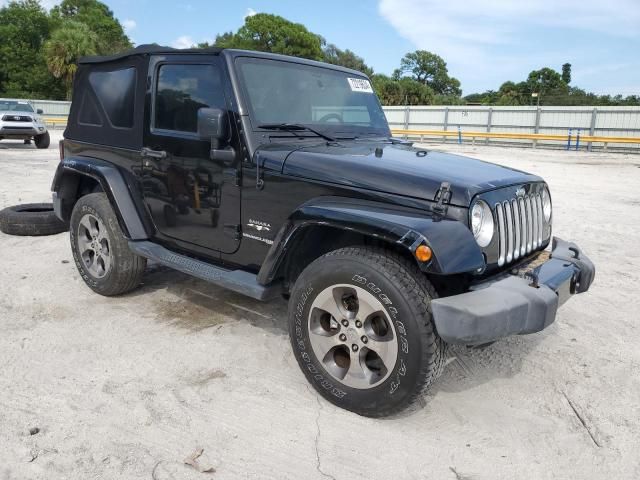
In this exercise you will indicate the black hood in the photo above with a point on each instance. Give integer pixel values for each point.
(401, 170)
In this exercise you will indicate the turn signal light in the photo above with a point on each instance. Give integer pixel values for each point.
(423, 253)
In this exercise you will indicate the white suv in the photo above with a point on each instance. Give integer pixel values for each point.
(20, 121)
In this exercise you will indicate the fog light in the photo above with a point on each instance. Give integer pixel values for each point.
(423, 253)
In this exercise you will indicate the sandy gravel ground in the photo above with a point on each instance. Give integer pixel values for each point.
(127, 388)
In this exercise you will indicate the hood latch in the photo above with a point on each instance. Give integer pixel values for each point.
(443, 197)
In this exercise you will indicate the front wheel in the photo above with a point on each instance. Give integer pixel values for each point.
(42, 141)
(362, 332)
(100, 250)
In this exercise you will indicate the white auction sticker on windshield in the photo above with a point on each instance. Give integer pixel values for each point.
(360, 85)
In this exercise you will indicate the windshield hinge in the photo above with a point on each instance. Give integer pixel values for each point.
(443, 197)
(233, 230)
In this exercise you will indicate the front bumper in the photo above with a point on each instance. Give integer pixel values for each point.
(19, 131)
(525, 301)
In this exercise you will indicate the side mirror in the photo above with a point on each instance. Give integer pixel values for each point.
(213, 125)
(39, 111)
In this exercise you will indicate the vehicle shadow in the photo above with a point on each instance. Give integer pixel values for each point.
(469, 367)
(16, 145)
(201, 305)
(198, 305)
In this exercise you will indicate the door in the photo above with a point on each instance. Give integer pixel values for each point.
(191, 198)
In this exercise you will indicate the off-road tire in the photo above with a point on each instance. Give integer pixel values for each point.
(406, 295)
(126, 269)
(31, 219)
(42, 141)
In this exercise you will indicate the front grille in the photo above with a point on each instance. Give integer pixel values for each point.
(520, 227)
(16, 118)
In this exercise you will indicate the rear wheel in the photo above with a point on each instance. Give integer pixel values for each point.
(362, 332)
(100, 250)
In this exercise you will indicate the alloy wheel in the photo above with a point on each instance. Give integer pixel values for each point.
(352, 336)
(94, 245)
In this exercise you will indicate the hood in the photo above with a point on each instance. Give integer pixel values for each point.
(401, 169)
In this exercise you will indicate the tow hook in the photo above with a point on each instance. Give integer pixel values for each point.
(533, 277)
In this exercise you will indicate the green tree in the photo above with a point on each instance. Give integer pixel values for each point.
(429, 69)
(271, 33)
(511, 93)
(67, 44)
(566, 73)
(345, 58)
(24, 26)
(546, 80)
(553, 89)
(405, 91)
(388, 90)
(415, 93)
(109, 33)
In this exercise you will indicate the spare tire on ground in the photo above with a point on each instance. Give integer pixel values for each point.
(31, 219)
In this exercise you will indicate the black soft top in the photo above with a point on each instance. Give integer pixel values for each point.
(151, 49)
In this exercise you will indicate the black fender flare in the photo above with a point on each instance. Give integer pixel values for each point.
(452, 243)
(113, 184)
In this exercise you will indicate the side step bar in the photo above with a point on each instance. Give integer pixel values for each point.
(236, 280)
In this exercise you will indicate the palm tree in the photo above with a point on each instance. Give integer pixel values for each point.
(67, 44)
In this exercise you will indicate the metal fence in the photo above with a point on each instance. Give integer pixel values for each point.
(50, 108)
(566, 121)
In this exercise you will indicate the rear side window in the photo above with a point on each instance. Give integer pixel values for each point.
(181, 91)
(89, 114)
(116, 93)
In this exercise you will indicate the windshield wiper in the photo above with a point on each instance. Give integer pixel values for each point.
(293, 127)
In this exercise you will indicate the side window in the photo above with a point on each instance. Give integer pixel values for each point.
(116, 92)
(89, 114)
(182, 90)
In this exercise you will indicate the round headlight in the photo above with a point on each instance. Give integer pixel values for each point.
(546, 204)
(482, 223)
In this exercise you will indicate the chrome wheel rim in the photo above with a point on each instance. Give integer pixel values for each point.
(352, 336)
(94, 245)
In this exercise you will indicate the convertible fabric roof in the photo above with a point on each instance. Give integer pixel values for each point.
(149, 50)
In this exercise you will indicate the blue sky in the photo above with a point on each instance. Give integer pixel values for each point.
(485, 42)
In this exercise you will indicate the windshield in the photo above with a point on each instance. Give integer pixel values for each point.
(281, 92)
(15, 106)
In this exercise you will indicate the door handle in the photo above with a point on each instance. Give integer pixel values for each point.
(147, 152)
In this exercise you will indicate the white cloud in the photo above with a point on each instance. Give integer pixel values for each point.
(184, 41)
(498, 21)
(48, 4)
(129, 25)
(478, 37)
(250, 13)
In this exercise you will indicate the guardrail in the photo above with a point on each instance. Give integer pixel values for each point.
(55, 121)
(534, 137)
(572, 139)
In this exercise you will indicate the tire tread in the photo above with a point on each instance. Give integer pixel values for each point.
(406, 274)
(128, 269)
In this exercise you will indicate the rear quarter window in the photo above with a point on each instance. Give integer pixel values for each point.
(115, 91)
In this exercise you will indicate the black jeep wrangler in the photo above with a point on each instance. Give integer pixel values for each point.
(276, 176)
